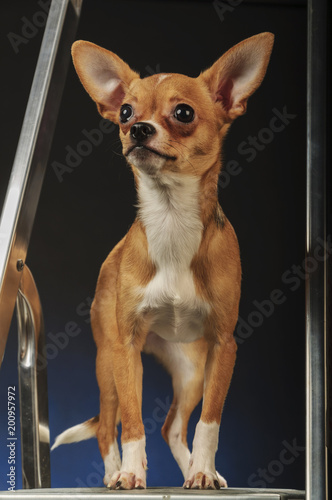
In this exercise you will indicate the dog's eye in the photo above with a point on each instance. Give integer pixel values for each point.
(184, 113)
(126, 112)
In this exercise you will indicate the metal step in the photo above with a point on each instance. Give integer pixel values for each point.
(154, 494)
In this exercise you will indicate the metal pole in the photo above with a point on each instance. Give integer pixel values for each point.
(316, 234)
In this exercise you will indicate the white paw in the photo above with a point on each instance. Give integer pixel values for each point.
(112, 462)
(205, 481)
(127, 481)
(132, 473)
(202, 474)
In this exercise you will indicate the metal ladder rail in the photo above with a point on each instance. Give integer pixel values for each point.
(16, 282)
(316, 460)
(33, 395)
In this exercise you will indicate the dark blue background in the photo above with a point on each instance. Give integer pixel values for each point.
(81, 218)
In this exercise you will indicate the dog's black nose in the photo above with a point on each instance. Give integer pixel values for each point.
(141, 131)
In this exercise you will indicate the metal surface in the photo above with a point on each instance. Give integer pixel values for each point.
(32, 152)
(316, 233)
(35, 436)
(156, 494)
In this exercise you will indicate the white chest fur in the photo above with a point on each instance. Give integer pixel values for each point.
(169, 211)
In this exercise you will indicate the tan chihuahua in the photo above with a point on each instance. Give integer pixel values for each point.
(171, 286)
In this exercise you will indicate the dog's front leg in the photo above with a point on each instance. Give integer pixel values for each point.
(127, 372)
(218, 373)
(119, 372)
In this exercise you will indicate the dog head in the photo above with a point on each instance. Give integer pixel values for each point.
(171, 122)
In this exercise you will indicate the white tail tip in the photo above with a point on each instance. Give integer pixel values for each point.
(79, 432)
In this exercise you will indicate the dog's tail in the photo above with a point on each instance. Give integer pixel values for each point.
(79, 432)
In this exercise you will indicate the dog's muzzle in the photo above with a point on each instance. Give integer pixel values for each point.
(140, 133)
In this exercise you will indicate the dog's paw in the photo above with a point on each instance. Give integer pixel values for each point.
(205, 481)
(132, 474)
(126, 481)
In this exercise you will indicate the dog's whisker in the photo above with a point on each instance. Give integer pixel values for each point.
(178, 142)
(185, 146)
(118, 154)
(182, 155)
(112, 144)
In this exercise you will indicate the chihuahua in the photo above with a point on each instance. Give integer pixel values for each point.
(171, 286)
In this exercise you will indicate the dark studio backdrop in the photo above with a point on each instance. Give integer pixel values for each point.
(84, 211)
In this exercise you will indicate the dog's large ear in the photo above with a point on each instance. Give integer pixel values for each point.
(104, 76)
(238, 73)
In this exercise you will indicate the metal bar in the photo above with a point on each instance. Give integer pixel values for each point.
(156, 494)
(32, 152)
(35, 436)
(316, 233)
